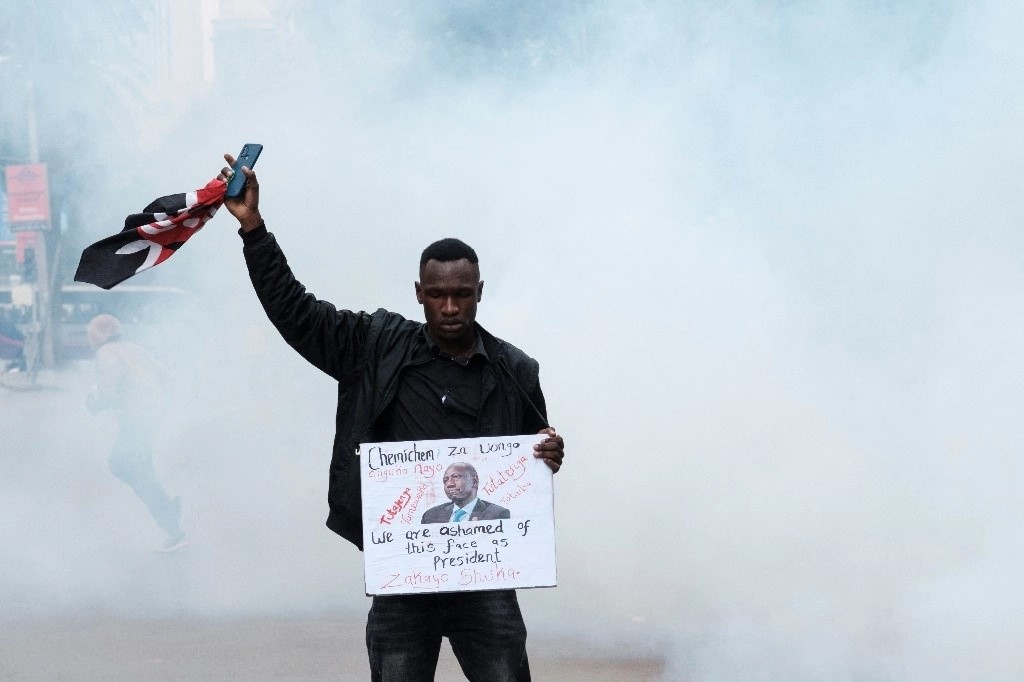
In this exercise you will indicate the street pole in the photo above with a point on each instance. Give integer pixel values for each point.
(44, 290)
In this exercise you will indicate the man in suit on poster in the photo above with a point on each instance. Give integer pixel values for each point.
(460, 485)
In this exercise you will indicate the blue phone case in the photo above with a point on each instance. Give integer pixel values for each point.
(250, 152)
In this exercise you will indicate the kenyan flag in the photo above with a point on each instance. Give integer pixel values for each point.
(151, 237)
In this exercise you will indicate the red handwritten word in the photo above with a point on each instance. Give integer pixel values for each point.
(472, 576)
(417, 579)
(512, 473)
(512, 494)
(420, 490)
(392, 511)
(428, 470)
(382, 475)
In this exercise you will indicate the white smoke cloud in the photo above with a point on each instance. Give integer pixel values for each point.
(766, 256)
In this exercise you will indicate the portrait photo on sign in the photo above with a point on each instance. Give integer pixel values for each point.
(461, 484)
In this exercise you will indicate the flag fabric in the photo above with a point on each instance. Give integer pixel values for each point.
(151, 237)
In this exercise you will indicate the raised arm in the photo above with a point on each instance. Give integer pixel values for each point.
(330, 339)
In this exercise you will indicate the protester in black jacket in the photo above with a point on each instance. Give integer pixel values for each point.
(386, 367)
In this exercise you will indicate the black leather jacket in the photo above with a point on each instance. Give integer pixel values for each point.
(365, 353)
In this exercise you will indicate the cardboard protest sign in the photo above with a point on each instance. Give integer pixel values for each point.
(412, 494)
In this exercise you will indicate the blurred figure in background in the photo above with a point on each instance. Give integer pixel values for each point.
(12, 343)
(133, 385)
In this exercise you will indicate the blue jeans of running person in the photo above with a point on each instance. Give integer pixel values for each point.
(485, 629)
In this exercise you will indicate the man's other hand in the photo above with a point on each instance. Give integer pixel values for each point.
(551, 449)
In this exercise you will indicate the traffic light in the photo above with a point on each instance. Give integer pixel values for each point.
(28, 265)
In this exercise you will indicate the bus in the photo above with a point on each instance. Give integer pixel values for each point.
(140, 308)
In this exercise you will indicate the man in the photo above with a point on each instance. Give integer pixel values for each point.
(400, 380)
(133, 385)
(460, 485)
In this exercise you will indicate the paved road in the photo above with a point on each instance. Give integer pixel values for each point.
(318, 648)
(85, 596)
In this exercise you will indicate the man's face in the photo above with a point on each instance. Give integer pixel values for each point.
(459, 484)
(449, 292)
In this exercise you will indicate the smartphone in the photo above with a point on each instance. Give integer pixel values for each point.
(247, 157)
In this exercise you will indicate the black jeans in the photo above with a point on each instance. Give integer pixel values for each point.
(486, 631)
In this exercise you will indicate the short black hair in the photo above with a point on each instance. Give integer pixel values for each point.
(447, 250)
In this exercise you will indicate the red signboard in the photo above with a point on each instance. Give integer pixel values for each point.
(28, 197)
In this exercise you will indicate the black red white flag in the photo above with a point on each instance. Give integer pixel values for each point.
(151, 237)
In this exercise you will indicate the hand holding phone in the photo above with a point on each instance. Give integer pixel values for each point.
(247, 157)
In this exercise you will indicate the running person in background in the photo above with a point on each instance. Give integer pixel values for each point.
(133, 385)
(12, 343)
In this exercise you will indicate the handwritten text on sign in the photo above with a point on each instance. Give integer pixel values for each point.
(457, 514)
